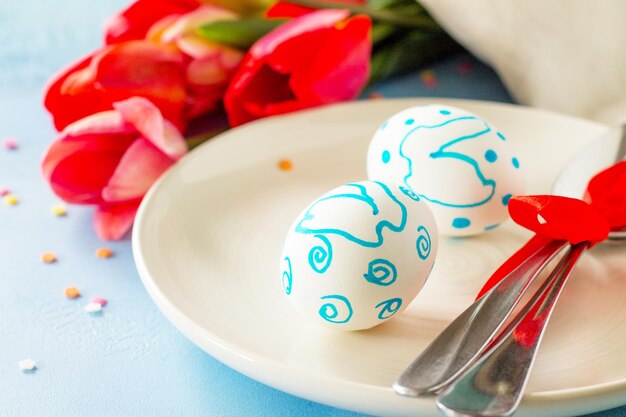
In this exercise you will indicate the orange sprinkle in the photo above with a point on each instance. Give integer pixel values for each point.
(72, 292)
(285, 165)
(375, 95)
(429, 78)
(48, 258)
(104, 253)
(341, 24)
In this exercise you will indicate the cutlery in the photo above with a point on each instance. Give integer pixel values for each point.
(467, 337)
(470, 333)
(494, 384)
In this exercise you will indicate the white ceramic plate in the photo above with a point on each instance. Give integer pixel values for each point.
(208, 236)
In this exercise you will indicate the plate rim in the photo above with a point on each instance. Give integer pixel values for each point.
(604, 395)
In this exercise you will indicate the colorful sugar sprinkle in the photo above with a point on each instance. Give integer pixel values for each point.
(48, 258)
(99, 300)
(104, 253)
(27, 365)
(464, 67)
(375, 95)
(10, 143)
(285, 165)
(428, 78)
(72, 292)
(58, 210)
(93, 308)
(4, 191)
(11, 199)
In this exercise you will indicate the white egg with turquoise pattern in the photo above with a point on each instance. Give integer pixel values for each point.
(358, 255)
(460, 164)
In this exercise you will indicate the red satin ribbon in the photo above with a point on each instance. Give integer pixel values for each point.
(606, 192)
(562, 218)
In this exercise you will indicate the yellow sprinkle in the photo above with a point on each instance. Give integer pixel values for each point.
(72, 292)
(48, 258)
(104, 253)
(58, 210)
(11, 199)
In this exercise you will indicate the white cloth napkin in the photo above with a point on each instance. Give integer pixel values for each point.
(564, 55)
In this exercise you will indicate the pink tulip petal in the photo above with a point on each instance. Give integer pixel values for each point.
(148, 120)
(80, 162)
(106, 122)
(79, 135)
(112, 222)
(139, 168)
(296, 27)
(342, 67)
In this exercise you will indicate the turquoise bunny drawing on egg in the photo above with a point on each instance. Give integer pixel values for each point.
(358, 255)
(466, 165)
(463, 167)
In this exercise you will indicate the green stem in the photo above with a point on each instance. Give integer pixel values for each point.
(421, 22)
(197, 140)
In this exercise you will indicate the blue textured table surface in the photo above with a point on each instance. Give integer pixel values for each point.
(128, 361)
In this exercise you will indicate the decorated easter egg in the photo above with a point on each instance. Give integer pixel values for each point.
(461, 165)
(358, 255)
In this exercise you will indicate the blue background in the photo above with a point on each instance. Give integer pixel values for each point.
(129, 361)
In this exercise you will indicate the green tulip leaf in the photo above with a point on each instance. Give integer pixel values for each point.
(241, 33)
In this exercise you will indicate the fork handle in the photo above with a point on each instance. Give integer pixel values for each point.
(466, 337)
(494, 385)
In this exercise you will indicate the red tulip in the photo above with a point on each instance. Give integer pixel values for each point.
(287, 9)
(209, 66)
(110, 159)
(319, 58)
(134, 22)
(115, 73)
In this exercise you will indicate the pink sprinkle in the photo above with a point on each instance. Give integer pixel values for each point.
(99, 300)
(4, 191)
(465, 67)
(10, 143)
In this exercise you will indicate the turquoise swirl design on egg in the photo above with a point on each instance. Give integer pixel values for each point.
(409, 193)
(381, 272)
(364, 197)
(388, 308)
(423, 243)
(330, 311)
(320, 257)
(287, 277)
(443, 152)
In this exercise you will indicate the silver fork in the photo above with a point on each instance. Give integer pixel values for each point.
(493, 385)
(468, 336)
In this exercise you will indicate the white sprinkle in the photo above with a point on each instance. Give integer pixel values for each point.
(27, 365)
(93, 307)
(541, 220)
